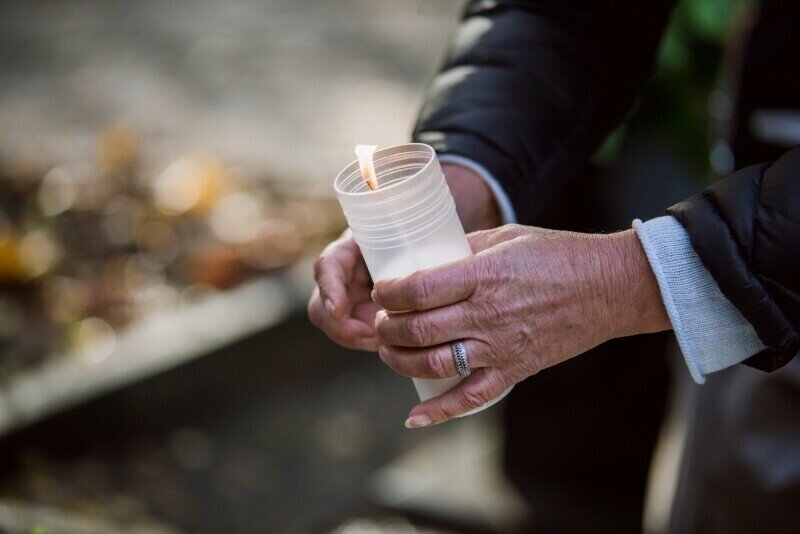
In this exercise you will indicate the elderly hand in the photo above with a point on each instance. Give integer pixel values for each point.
(528, 299)
(341, 306)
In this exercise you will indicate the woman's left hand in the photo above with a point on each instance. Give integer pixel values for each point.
(528, 299)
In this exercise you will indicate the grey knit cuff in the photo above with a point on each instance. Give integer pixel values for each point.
(711, 332)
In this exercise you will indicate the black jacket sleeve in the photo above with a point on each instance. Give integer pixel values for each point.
(530, 89)
(746, 230)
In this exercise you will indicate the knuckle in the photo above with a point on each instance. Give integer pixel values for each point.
(416, 330)
(435, 365)
(473, 398)
(420, 291)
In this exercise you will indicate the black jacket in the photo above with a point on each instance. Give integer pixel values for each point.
(531, 89)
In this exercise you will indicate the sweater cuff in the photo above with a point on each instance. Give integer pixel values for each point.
(506, 208)
(711, 332)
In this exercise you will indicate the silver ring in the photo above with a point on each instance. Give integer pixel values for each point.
(460, 357)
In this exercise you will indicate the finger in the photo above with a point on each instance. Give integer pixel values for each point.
(432, 362)
(429, 288)
(354, 330)
(482, 386)
(332, 270)
(331, 279)
(424, 329)
(346, 331)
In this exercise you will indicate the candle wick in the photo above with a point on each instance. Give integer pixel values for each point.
(365, 162)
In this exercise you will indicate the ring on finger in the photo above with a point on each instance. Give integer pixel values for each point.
(460, 358)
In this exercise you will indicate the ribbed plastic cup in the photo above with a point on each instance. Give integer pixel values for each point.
(409, 223)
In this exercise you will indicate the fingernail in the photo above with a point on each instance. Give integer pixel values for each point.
(417, 421)
(374, 295)
(329, 305)
(382, 353)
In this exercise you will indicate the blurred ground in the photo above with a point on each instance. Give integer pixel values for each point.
(113, 114)
(276, 433)
(281, 431)
(283, 87)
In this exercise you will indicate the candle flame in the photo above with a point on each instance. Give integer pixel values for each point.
(364, 154)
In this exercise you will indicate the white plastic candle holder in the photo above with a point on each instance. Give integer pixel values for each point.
(409, 223)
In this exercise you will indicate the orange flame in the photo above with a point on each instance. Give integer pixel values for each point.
(364, 154)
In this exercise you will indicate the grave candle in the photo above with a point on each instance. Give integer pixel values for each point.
(403, 219)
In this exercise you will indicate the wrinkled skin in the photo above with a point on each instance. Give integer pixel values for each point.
(341, 305)
(528, 299)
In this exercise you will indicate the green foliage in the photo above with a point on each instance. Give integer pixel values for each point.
(674, 102)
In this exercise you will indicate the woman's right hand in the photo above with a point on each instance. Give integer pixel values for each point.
(341, 305)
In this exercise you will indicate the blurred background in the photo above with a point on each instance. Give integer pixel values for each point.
(165, 182)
